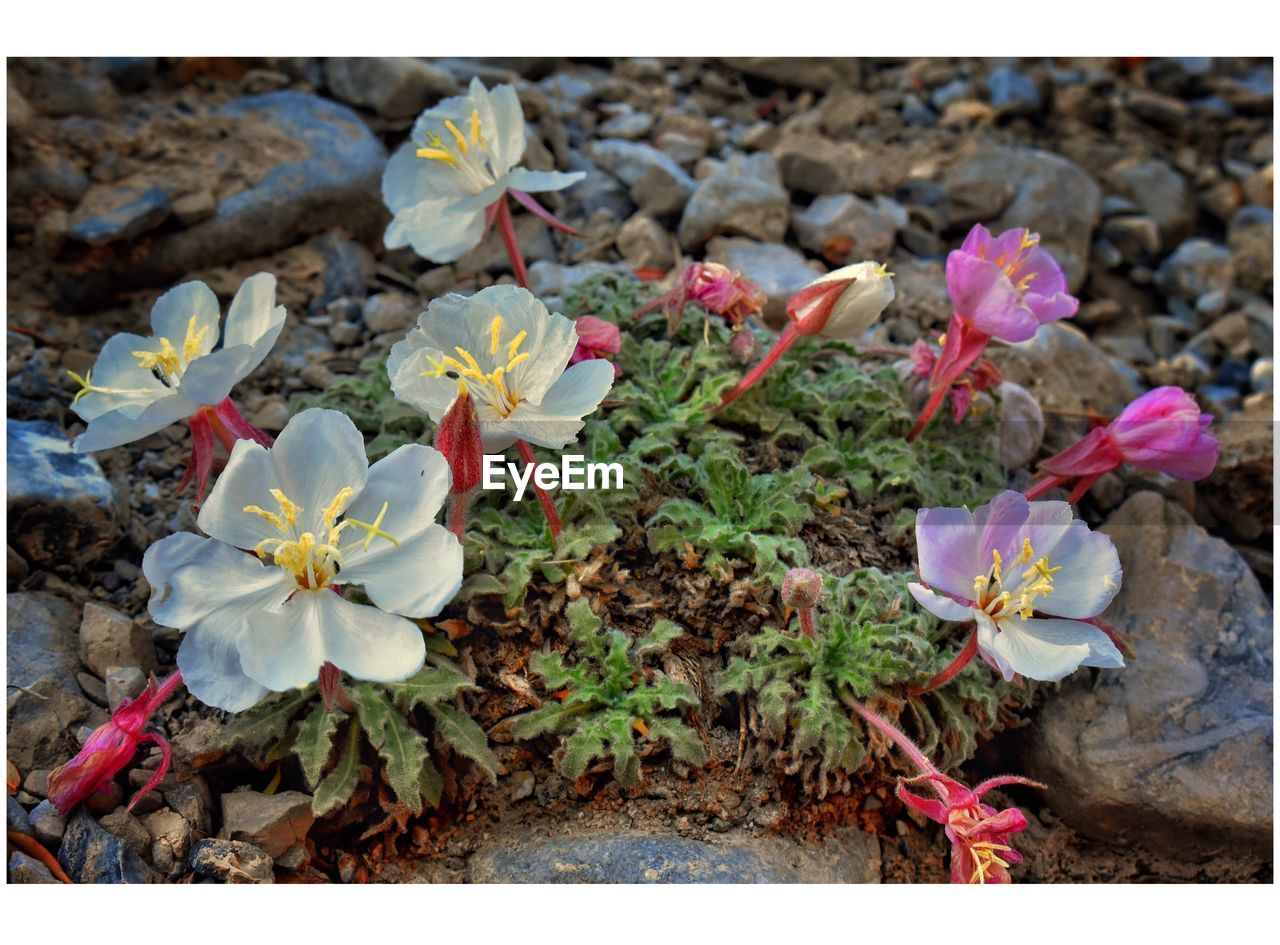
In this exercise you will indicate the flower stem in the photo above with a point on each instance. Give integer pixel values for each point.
(806, 622)
(1037, 489)
(785, 341)
(548, 506)
(961, 660)
(459, 502)
(908, 747)
(508, 230)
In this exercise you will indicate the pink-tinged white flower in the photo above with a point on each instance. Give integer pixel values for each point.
(185, 371)
(840, 305)
(512, 355)
(449, 182)
(259, 602)
(980, 835)
(111, 747)
(1163, 430)
(1029, 575)
(1001, 287)
(597, 338)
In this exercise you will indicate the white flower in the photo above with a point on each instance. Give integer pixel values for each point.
(868, 292)
(141, 385)
(460, 160)
(510, 353)
(317, 517)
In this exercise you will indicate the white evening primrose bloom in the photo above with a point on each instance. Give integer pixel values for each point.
(141, 385)
(314, 517)
(460, 160)
(510, 353)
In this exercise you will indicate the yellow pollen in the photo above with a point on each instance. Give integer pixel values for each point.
(457, 136)
(494, 387)
(996, 569)
(495, 329)
(518, 359)
(437, 154)
(476, 137)
(165, 360)
(1027, 551)
(1028, 240)
(335, 507)
(194, 339)
(942, 338)
(516, 342)
(883, 272)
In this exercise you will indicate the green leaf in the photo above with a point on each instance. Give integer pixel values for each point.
(314, 742)
(467, 738)
(339, 784)
(269, 721)
(431, 684)
(580, 749)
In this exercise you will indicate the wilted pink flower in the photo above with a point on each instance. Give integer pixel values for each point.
(597, 338)
(980, 376)
(979, 834)
(1001, 287)
(111, 747)
(721, 291)
(1163, 430)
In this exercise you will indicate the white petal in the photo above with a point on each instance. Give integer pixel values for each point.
(117, 368)
(210, 663)
(502, 121)
(1050, 649)
(435, 231)
(987, 634)
(367, 642)
(938, 605)
(208, 380)
(413, 482)
(946, 544)
(550, 341)
(248, 477)
(1090, 575)
(201, 582)
(417, 578)
(406, 366)
(409, 180)
(285, 649)
(555, 422)
(254, 319)
(317, 455)
(533, 182)
(171, 315)
(125, 424)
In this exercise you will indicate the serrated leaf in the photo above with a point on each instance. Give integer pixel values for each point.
(269, 721)
(313, 743)
(466, 737)
(439, 682)
(338, 785)
(580, 749)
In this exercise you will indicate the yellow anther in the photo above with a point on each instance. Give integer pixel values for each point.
(472, 363)
(996, 568)
(437, 154)
(263, 514)
(165, 360)
(194, 340)
(942, 338)
(335, 507)
(495, 329)
(515, 344)
(1028, 240)
(476, 137)
(883, 272)
(518, 359)
(457, 136)
(85, 386)
(1027, 551)
(288, 508)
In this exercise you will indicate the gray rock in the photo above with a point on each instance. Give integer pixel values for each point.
(1021, 428)
(122, 823)
(62, 510)
(170, 840)
(392, 86)
(1197, 268)
(1161, 192)
(920, 296)
(743, 196)
(231, 861)
(522, 785)
(627, 123)
(123, 683)
(1012, 93)
(109, 639)
(16, 819)
(1015, 187)
(389, 311)
(1174, 752)
(1251, 237)
(193, 801)
(778, 270)
(850, 856)
(811, 163)
(815, 73)
(643, 241)
(681, 148)
(598, 190)
(551, 281)
(51, 232)
(127, 73)
(194, 207)
(44, 700)
(870, 228)
(112, 212)
(91, 855)
(275, 822)
(844, 110)
(657, 183)
(47, 824)
(491, 256)
(24, 869)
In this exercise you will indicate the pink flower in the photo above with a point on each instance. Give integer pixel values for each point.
(1007, 286)
(111, 747)
(979, 834)
(597, 338)
(721, 291)
(1001, 287)
(1163, 430)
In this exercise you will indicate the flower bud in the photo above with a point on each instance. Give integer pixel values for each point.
(802, 588)
(458, 439)
(843, 304)
(597, 338)
(743, 346)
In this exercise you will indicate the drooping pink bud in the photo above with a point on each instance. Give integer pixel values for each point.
(802, 589)
(111, 747)
(597, 338)
(1163, 431)
(458, 439)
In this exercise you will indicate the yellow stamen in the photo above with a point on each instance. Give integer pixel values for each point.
(883, 272)
(518, 359)
(476, 137)
(263, 514)
(515, 344)
(495, 328)
(1027, 551)
(457, 136)
(335, 507)
(437, 154)
(165, 360)
(194, 340)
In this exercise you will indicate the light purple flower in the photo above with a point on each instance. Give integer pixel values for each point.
(1028, 574)
(1007, 286)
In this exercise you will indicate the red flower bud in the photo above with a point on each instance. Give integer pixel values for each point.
(459, 440)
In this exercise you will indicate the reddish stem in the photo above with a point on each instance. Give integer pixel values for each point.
(930, 408)
(806, 622)
(508, 230)
(1038, 489)
(459, 502)
(907, 745)
(1083, 486)
(542, 213)
(785, 341)
(548, 506)
(953, 668)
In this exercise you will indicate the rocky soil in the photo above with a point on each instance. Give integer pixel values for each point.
(1150, 180)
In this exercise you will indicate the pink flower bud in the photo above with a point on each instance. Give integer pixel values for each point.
(459, 440)
(743, 346)
(597, 338)
(842, 304)
(802, 588)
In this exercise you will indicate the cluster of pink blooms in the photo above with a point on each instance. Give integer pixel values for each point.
(718, 289)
